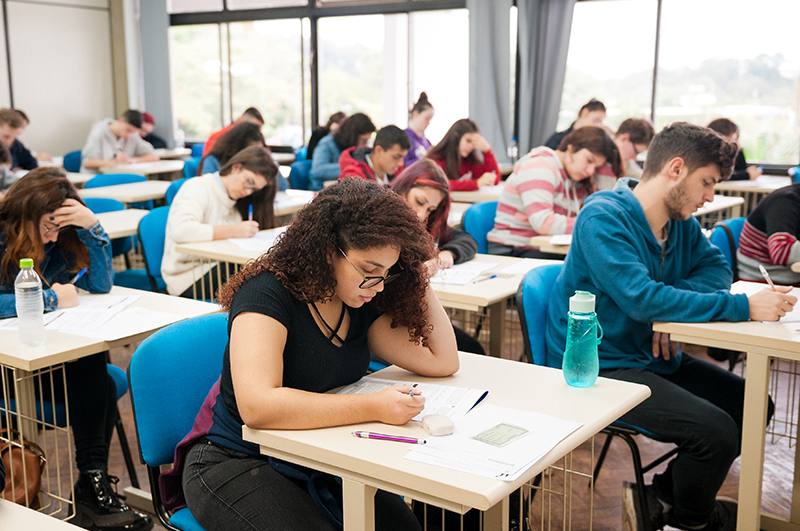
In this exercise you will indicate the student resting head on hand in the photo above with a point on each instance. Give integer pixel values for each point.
(466, 157)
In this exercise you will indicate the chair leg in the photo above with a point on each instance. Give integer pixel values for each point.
(126, 453)
(601, 457)
(637, 469)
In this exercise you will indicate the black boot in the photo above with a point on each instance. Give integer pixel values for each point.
(98, 506)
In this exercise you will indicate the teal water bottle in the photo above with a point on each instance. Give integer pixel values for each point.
(581, 364)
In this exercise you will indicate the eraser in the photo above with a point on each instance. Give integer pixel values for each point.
(438, 424)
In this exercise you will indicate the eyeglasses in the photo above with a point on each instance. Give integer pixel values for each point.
(636, 152)
(50, 230)
(250, 185)
(371, 282)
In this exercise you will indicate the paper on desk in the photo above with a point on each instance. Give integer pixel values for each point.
(129, 323)
(460, 451)
(462, 273)
(524, 265)
(287, 200)
(768, 181)
(561, 239)
(751, 288)
(92, 312)
(260, 243)
(495, 189)
(453, 402)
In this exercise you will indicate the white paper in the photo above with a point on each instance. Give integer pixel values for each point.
(453, 402)
(92, 312)
(524, 265)
(561, 239)
(768, 181)
(751, 288)
(287, 200)
(129, 323)
(460, 451)
(462, 273)
(260, 243)
(495, 189)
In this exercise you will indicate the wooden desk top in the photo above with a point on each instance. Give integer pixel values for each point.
(720, 202)
(121, 223)
(510, 383)
(764, 184)
(224, 250)
(13, 516)
(79, 179)
(175, 153)
(283, 158)
(131, 192)
(290, 201)
(457, 211)
(60, 347)
(486, 193)
(146, 168)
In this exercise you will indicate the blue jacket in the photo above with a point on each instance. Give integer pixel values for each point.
(325, 164)
(615, 255)
(54, 267)
(22, 157)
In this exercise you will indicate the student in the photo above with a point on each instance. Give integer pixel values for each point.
(7, 177)
(354, 132)
(730, 132)
(41, 156)
(250, 114)
(632, 139)
(592, 113)
(44, 218)
(11, 126)
(379, 163)
(466, 157)
(770, 238)
(346, 278)
(114, 142)
(641, 253)
(547, 189)
(421, 116)
(148, 124)
(217, 206)
(320, 132)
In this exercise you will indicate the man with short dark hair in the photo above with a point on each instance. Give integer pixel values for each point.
(379, 163)
(11, 126)
(250, 114)
(115, 142)
(593, 113)
(644, 257)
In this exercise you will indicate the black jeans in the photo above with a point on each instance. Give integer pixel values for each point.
(700, 409)
(226, 489)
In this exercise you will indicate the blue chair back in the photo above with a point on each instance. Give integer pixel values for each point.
(197, 150)
(172, 191)
(299, 176)
(301, 153)
(72, 161)
(190, 167)
(113, 179)
(533, 299)
(152, 233)
(479, 220)
(719, 237)
(794, 173)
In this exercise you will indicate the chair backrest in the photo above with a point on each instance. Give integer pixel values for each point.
(190, 167)
(725, 235)
(113, 179)
(170, 375)
(152, 233)
(479, 220)
(72, 161)
(301, 153)
(173, 189)
(299, 176)
(533, 298)
(197, 149)
(99, 205)
(794, 173)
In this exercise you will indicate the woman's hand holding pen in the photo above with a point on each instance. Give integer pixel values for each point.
(245, 229)
(71, 212)
(395, 405)
(67, 295)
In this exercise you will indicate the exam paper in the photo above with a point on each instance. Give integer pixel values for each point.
(494, 189)
(287, 200)
(561, 239)
(130, 322)
(769, 181)
(261, 242)
(92, 312)
(462, 273)
(453, 402)
(751, 288)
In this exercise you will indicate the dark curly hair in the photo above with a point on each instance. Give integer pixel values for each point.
(352, 214)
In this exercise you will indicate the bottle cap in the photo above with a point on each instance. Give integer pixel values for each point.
(26, 262)
(581, 302)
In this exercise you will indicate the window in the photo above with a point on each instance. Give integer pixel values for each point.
(193, 6)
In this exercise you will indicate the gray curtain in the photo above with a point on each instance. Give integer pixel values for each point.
(490, 72)
(544, 28)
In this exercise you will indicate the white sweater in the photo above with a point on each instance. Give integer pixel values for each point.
(200, 204)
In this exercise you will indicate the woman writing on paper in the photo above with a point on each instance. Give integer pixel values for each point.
(346, 278)
(217, 206)
(42, 217)
(466, 157)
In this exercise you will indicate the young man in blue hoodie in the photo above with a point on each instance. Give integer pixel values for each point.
(643, 255)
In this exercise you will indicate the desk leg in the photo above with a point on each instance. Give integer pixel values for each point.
(754, 422)
(26, 404)
(496, 518)
(497, 329)
(359, 506)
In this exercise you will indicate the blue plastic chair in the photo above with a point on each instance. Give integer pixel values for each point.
(172, 191)
(301, 153)
(725, 235)
(533, 299)
(478, 221)
(152, 233)
(299, 176)
(197, 149)
(190, 167)
(170, 375)
(114, 179)
(794, 173)
(72, 161)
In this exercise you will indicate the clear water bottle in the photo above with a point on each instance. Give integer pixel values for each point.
(513, 150)
(30, 305)
(581, 364)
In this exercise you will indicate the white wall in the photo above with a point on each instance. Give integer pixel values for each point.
(61, 71)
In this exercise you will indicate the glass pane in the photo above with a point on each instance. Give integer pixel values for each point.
(617, 71)
(257, 4)
(266, 70)
(193, 6)
(744, 68)
(196, 72)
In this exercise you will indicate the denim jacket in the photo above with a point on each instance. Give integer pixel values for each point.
(98, 278)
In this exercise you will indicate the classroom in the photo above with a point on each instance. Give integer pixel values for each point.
(399, 264)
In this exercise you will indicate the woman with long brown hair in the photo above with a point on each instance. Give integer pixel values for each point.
(466, 157)
(346, 278)
(42, 217)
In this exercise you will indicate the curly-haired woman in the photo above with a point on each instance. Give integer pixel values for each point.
(346, 278)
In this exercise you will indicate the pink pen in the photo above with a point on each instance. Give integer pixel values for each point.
(382, 437)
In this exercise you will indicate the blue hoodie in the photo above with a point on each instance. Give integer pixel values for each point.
(615, 255)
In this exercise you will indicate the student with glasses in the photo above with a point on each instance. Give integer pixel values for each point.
(632, 139)
(42, 217)
(217, 206)
(346, 278)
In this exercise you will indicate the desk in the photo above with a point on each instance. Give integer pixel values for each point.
(159, 168)
(457, 211)
(753, 191)
(367, 465)
(16, 517)
(175, 153)
(284, 159)
(131, 192)
(761, 342)
(485, 193)
(121, 223)
(290, 201)
(55, 162)
(79, 179)
(544, 245)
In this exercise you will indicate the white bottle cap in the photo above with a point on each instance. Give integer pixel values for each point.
(581, 302)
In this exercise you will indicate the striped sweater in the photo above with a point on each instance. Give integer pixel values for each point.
(538, 198)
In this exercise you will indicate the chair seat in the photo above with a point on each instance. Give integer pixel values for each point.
(184, 520)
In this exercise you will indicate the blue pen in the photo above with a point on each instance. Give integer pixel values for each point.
(78, 276)
(250, 213)
(485, 278)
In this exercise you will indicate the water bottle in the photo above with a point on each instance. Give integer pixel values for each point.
(30, 305)
(581, 364)
(513, 150)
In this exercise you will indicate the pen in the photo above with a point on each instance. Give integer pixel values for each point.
(766, 276)
(382, 437)
(485, 278)
(78, 276)
(250, 213)
(411, 390)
